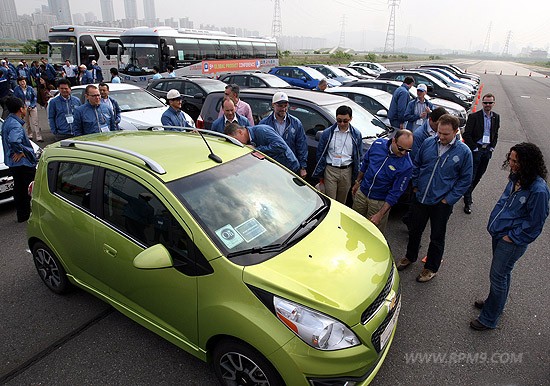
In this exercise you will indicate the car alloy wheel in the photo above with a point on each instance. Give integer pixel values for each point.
(50, 269)
(238, 364)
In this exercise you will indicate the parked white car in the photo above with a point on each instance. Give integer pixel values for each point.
(139, 108)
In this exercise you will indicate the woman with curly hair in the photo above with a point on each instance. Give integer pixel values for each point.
(515, 222)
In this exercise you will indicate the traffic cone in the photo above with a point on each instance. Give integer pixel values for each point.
(474, 109)
(529, 74)
(516, 74)
(500, 72)
(485, 71)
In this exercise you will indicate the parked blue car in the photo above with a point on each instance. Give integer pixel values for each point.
(301, 76)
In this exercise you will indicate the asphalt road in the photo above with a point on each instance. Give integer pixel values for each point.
(48, 339)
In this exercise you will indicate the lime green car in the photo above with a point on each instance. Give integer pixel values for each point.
(219, 250)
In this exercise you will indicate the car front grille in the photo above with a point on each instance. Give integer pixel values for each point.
(377, 303)
(376, 335)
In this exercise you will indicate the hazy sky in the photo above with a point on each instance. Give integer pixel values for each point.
(451, 24)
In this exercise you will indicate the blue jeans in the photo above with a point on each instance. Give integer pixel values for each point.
(505, 255)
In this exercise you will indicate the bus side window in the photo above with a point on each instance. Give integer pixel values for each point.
(88, 50)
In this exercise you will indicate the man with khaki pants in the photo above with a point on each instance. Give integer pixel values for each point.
(383, 177)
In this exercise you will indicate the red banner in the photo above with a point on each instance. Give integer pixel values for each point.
(214, 66)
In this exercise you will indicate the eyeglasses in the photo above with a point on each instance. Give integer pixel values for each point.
(488, 103)
(344, 121)
(94, 95)
(403, 149)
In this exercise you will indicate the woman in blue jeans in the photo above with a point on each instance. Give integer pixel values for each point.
(515, 222)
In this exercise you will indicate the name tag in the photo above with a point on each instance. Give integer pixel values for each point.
(337, 161)
(27, 103)
(486, 139)
(69, 118)
(104, 128)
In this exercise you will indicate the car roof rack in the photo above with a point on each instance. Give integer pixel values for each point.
(234, 141)
(148, 161)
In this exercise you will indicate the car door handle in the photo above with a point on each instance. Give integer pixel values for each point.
(109, 250)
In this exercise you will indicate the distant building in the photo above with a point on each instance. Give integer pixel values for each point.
(62, 10)
(78, 18)
(186, 23)
(90, 17)
(149, 12)
(107, 11)
(130, 9)
(539, 54)
(8, 12)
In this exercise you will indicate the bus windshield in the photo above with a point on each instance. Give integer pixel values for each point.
(139, 58)
(63, 48)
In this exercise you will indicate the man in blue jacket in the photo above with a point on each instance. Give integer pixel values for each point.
(288, 127)
(50, 73)
(399, 102)
(84, 76)
(266, 140)
(19, 156)
(441, 175)
(173, 116)
(427, 130)
(93, 116)
(111, 103)
(419, 109)
(61, 111)
(229, 115)
(383, 177)
(339, 154)
(515, 222)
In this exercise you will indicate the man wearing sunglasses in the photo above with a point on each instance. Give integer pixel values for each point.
(383, 176)
(481, 135)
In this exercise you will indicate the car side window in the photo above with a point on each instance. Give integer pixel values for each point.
(160, 86)
(74, 182)
(240, 80)
(132, 208)
(261, 108)
(400, 77)
(367, 103)
(255, 82)
(79, 93)
(310, 118)
(191, 89)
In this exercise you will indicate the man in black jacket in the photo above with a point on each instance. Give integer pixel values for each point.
(481, 135)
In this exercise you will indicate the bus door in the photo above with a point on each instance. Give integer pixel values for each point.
(115, 48)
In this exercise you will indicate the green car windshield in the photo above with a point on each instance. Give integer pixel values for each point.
(250, 207)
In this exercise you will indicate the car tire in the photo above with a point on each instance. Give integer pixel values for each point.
(50, 269)
(236, 363)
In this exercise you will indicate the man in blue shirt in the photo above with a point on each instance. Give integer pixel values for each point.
(515, 222)
(50, 73)
(383, 177)
(61, 111)
(19, 156)
(229, 115)
(266, 140)
(97, 73)
(442, 173)
(173, 116)
(399, 103)
(93, 116)
(110, 102)
(84, 76)
(288, 127)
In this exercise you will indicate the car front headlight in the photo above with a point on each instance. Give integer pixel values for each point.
(317, 330)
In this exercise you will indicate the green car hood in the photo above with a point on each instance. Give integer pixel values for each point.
(339, 268)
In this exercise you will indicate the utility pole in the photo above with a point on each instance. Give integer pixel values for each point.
(487, 39)
(277, 25)
(507, 44)
(408, 42)
(342, 42)
(390, 35)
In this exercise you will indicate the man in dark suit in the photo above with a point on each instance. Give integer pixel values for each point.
(481, 135)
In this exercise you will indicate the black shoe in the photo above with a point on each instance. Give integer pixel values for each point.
(467, 209)
(479, 304)
(476, 325)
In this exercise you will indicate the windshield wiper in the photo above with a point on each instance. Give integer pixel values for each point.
(280, 246)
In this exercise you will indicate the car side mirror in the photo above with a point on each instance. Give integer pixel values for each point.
(163, 101)
(382, 113)
(198, 95)
(430, 88)
(155, 257)
(303, 78)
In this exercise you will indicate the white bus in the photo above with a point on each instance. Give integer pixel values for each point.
(191, 52)
(81, 45)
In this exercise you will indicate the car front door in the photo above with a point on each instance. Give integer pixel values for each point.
(137, 217)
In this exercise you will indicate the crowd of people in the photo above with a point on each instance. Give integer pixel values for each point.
(425, 157)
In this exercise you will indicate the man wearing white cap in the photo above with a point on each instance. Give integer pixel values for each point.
(173, 116)
(419, 109)
(288, 127)
(97, 74)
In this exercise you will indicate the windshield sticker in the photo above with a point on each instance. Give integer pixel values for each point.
(229, 236)
(250, 229)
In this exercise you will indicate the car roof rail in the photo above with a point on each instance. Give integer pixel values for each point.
(234, 141)
(148, 161)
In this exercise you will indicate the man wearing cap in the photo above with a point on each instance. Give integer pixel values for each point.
(173, 116)
(229, 116)
(84, 76)
(97, 74)
(418, 109)
(70, 72)
(243, 108)
(61, 111)
(93, 116)
(266, 140)
(399, 102)
(339, 154)
(481, 136)
(288, 127)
